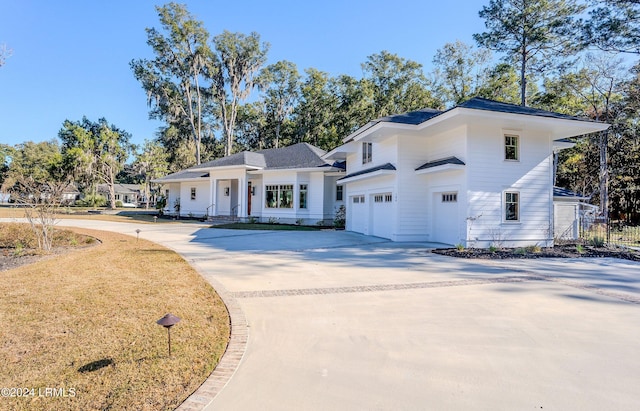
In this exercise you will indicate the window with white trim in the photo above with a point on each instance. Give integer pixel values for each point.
(366, 152)
(339, 193)
(302, 195)
(388, 198)
(511, 206)
(357, 199)
(511, 147)
(279, 196)
(193, 193)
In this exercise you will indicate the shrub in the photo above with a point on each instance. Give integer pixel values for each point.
(534, 249)
(493, 248)
(520, 251)
(597, 241)
(459, 247)
(90, 200)
(579, 248)
(118, 204)
(340, 218)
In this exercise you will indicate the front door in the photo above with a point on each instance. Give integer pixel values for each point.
(249, 199)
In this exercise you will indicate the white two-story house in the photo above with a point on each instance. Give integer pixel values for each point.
(479, 174)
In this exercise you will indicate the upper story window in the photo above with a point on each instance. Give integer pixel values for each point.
(511, 147)
(511, 206)
(366, 152)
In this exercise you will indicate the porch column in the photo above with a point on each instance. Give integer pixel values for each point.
(242, 193)
(214, 197)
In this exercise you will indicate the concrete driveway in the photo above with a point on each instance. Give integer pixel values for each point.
(340, 321)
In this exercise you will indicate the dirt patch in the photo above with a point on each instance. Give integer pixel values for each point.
(562, 251)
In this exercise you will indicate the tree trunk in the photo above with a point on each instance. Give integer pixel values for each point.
(523, 78)
(604, 175)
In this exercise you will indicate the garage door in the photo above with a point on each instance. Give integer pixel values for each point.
(445, 218)
(358, 215)
(382, 215)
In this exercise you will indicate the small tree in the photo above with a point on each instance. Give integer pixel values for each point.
(42, 202)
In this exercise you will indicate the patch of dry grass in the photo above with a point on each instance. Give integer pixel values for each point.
(86, 322)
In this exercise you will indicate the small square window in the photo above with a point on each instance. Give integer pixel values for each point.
(511, 148)
(512, 206)
(193, 193)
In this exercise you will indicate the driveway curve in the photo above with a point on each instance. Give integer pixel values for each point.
(340, 321)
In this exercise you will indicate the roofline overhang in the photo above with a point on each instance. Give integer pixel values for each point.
(360, 177)
(303, 169)
(360, 134)
(441, 169)
(214, 168)
(179, 180)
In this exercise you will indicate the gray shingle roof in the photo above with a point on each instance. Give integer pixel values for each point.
(476, 103)
(247, 158)
(412, 117)
(301, 155)
(441, 162)
(387, 166)
(563, 192)
(479, 103)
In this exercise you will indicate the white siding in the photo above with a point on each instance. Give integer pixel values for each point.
(566, 218)
(489, 176)
(415, 192)
(197, 207)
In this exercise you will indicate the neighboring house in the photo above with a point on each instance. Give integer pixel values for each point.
(479, 174)
(130, 195)
(290, 184)
(70, 194)
(571, 214)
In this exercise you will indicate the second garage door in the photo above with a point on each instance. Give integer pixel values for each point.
(382, 214)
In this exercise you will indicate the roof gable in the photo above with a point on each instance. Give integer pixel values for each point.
(301, 155)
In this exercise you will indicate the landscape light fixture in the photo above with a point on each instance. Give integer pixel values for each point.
(168, 321)
(137, 234)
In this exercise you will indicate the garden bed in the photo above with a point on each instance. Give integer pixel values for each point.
(560, 251)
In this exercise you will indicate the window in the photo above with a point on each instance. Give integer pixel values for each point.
(380, 198)
(366, 152)
(117, 196)
(358, 199)
(303, 196)
(193, 193)
(450, 197)
(339, 193)
(512, 206)
(279, 196)
(511, 148)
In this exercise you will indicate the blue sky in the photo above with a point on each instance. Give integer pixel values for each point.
(71, 58)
